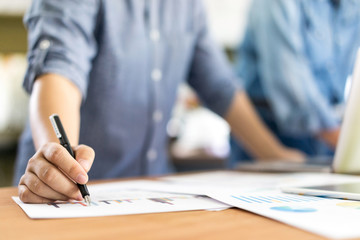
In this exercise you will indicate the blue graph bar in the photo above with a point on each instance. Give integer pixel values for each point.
(267, 198)
(239, 198)
(259, 198)
(272, 199)
(299, 199)
(277, 198)
(251, 198)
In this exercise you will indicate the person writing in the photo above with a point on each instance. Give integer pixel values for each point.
(110, 70)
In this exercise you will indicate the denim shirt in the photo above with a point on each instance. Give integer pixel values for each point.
(127, 58)
(295, 59)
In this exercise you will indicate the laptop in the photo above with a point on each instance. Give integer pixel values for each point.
(347, 153)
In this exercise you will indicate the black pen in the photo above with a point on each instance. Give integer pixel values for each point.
(64, 141)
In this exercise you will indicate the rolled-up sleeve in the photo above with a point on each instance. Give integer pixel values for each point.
(61, 40)
(289, 85)
(210, 73)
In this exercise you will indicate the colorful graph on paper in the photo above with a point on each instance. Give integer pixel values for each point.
(339, 218)
(120, 199)
(163, 200)
(276, 198)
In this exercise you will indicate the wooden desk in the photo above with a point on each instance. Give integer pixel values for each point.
(228, 224)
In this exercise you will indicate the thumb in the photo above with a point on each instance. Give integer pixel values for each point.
(85, 156)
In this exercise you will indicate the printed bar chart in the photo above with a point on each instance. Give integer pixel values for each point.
(280, 198)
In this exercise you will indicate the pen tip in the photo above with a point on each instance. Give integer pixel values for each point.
(87, 200)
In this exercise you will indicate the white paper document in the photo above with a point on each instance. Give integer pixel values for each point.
(259, 193)
(332, 218)
(121, 199)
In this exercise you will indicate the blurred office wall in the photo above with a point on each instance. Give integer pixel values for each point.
(13, 100)
(227, 19)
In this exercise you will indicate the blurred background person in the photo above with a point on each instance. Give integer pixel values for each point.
(295, 59)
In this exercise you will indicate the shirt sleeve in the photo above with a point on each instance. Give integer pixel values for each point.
(61, 40)
(285, 74)
(210, 73)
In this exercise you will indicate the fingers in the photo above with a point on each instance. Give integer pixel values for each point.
(34, 185)
(289, 155)
(293, 155)
(27, 196)
(51, 173)
(58, 156)
(299, 156)
(84, 156)
(48, 181)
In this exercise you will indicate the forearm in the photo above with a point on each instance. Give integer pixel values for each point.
(51, 94)
(250, 130)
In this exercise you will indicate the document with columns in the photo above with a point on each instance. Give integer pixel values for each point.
(121, 199)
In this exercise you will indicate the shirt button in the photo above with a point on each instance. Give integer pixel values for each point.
(44, 44)
(151, 155)
(155, 35)
(157, 116)
(156, 75)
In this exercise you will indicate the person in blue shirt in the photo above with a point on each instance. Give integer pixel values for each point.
(110, 69)
(294, 61)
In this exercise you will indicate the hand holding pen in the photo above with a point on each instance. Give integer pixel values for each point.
(52, 174)
(64, 141)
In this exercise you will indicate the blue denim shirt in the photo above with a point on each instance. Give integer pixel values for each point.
(294, 60)
(127, 58)
(296, 57)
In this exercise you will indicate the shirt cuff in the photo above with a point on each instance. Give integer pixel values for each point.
(43, 61)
